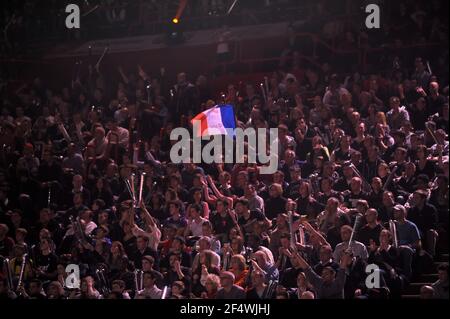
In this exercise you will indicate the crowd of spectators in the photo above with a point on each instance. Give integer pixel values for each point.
(362, 180)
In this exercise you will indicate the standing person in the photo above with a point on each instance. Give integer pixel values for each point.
(184, 99)
(397, 115)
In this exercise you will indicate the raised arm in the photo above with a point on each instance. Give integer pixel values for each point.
(218, 193)
(311, 275)
(148, 219)
(315, 233)
(208, 198)
(123, 75)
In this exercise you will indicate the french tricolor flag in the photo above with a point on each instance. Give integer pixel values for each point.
(216, 121)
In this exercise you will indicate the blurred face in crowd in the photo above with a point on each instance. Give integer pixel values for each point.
(278, 178)
(53, 290)
(356, 184)
(289, 156)
(204, 244)
(141, 243)
(410, 169)
(388, 199)
(220, 207)
(325, 254)
(226, 281)
(301, 123)
(16, 218)
(304, 189)
(35, 288)
(345, 143)
(117, 288)
(383, 171)
(328, 275)
(115, 248)
(399, 155)
(211, 285)
(250, 90)
(301, 280)
(194, 213)
(223, 178)
(103, 218)
(421, 104)
(146, 265)
(418, 199)
(332, 205)
(181, 79)
(385, 237)
(371, 215)
(249, 189)
(77, 182)
(174, 210)
(44, 244)
(173, 259)
(242, 180)
(240, 208)
(325, 185)
(394, 104)
(99, 134)
(206, 230)
(149, 282)
(346, 233)
(295, 174)
(361, 129)
(257, 279)
(419, 65)
(44, 216)
(376, 184)
(399, 214)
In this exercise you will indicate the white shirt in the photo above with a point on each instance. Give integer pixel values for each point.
(152, 293)
(154, 236)
(196, 227)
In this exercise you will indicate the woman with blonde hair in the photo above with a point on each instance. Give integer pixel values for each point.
(239, 269)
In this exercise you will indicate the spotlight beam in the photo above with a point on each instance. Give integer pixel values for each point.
(180, 11)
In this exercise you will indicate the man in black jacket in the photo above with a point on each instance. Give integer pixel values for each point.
(424, 215)
(184, 101)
